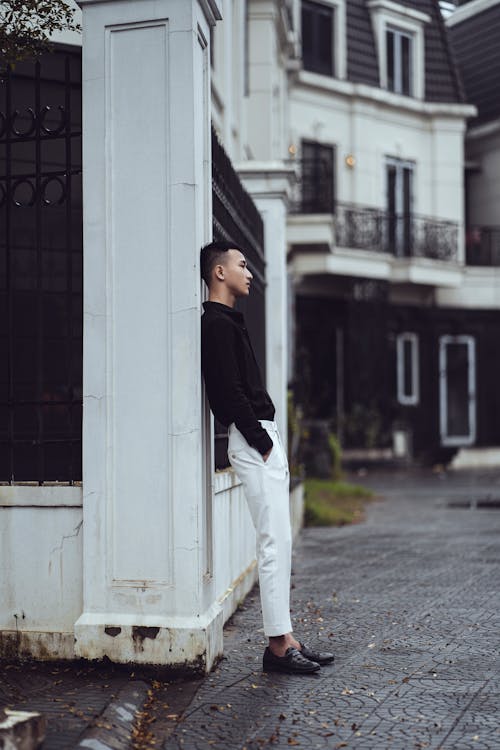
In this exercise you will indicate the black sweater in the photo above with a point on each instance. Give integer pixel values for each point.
(232, 376)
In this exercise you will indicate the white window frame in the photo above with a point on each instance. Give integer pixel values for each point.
(398, 62)
(457, 440)
(403, 398)
(386, 16)
(339, 37)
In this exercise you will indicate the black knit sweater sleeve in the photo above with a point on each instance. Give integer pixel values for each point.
(225, 388)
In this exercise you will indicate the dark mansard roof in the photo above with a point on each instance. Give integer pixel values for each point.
(442, 81)
(476, 45)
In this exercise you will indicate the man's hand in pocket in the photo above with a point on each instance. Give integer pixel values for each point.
(265, 456)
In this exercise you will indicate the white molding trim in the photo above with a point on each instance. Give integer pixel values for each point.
(469, 10)
(414, 398)
(457, 440)
(210, 8)
(376, 95)
(46, 496)
(401, 10)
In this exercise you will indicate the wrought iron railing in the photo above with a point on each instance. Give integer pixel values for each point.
(366, 228)
(482, 246)
(402, 235)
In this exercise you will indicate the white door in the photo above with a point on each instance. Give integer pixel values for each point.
(457, 388)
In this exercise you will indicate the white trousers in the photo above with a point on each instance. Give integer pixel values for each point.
(266, 485)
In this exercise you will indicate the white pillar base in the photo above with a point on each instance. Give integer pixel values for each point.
(188, 643)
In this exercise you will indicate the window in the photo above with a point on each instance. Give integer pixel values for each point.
(407, 369)
(399, 207)
(399, 50)
(317, 37)
(399, 32)
(317, 164)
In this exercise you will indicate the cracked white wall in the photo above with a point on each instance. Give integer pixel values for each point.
(40, 559)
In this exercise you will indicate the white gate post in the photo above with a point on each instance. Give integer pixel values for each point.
(270, 184)
(148, 596)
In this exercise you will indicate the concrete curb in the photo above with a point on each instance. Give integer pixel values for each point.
(21, 730)
(112, 730)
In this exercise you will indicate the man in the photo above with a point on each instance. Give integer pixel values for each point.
(239, 400)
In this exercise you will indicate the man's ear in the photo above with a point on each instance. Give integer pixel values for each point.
(219, 272)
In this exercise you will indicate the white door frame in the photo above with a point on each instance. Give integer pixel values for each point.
(446, 439)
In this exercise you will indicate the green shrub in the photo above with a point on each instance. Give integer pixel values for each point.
(330, 503)
(336, 450)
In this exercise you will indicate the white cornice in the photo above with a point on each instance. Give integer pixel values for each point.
(469, 10)
(484, 130)
(306, 80)
(269, 179)
(210, 8)
(400, 10)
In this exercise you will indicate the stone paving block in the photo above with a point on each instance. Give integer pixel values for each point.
(406, 601)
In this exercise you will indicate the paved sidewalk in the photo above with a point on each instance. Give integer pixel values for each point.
(409, 603)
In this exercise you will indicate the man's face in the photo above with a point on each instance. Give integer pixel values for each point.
(236, 274)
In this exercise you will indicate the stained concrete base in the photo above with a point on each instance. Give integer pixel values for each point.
(187, 643)
(21, 730)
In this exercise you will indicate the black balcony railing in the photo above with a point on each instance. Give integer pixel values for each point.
(402, 235)
(365, 228)
(482, 246)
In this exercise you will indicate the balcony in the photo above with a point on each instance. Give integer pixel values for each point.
(482, 246)
(354, 240)
(404, 235)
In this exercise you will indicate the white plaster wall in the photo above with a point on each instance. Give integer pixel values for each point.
(234, 549)
(229, 103)
(267, 101)
(372, 130)
(480, 290)
(40, 558)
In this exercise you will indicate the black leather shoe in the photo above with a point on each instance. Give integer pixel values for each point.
(292, 662)
(317, 657)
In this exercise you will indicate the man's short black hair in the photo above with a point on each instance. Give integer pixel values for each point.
(211, 255)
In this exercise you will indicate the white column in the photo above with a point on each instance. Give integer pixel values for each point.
(147, 202)
(269, 184)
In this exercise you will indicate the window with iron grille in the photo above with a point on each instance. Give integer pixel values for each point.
(317, 38)
(317, 178)
(399, 49)
(41, 270)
